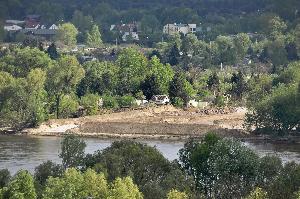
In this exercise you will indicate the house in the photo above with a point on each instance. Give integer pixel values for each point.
(171, 29)
(126, 30)
(12, 28)
(13, 25)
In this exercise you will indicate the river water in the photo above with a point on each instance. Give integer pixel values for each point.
(25, 152)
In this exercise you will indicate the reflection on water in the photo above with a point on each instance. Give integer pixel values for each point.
(24, 152)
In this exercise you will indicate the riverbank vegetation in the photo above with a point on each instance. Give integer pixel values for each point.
(211, 168)
(254, 63)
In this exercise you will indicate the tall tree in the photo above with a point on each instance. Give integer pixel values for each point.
(72, 151)
(94, 37)
(63, 78)
(132, 73)
(67, 33)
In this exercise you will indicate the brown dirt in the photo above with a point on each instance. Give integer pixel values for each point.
(164, 122)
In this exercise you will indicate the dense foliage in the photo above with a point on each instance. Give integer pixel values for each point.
(211, 168)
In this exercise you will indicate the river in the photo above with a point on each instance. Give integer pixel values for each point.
(25, 152)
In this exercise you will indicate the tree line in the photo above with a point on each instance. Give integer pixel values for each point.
(213, 167)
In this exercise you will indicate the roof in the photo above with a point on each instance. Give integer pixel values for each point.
(39, 31)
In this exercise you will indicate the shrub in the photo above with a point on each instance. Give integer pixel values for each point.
(178, 102)
(110, 102)
(126, 101)
(91, 103)
(68, 106)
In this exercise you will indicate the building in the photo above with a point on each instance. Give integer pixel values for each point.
(127, 31)
(171, 29)
(13, 25)
(32, 21)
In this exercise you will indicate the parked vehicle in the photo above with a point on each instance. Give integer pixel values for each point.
(160, 99)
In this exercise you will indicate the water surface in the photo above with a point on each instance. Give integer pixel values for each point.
(25, 152)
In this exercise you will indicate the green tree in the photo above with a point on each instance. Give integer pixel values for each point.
(72, 151)
(153, 174)
(21, 187)
(226, 52)
(124, 188)
(242, 43)
(234, 168)
(180, 87)
(158, 81)
(67, 34)
(4, 177)
(150, 24)
(94, 37)
(101, 78)
(239, 85)
(90, 102)
(297, 38)
(63, 78)
(132, 71)
(194, 159)
(20, 61)
(45, 170)
(174, 194)
(258, 193)
(83, 23)
(173, 55)
(52, 51)
(276, 27)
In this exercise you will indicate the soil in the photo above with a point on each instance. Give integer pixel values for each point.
(163, 122)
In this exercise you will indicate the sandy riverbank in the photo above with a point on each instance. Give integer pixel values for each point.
(165, 122)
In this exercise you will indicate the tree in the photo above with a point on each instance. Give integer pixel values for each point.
(233, 167)
(180, 87)
(101, 78)
(242, 43)
(297, 38)
(21, 187)
(83, 23)
(45, 170)
(277, 112)
(22, 100)
(226, 53)
(174, 194)
(90, 102)
(153, 174)
(124, 188)
(94, 37)
(173, 55)
(276, 27)
(52, 51)
(158, 81)
(67, 33)
(132, 71)
(239, 85)
(4, 177)
(258, 193)
(149, 24)
(20, 61)
(213, 82)
(72, 151)
(62, 78)
(194, 159)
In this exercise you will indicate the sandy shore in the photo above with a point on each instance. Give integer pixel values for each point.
(165, 122)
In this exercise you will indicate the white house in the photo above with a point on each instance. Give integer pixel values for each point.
(12, 27)
(53, 27)
(171, 29)
(133, 35)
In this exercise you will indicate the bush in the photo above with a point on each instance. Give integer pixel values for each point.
(91, 103)
(68, 106)
(220, 101)
(178, 102)
(126, 101)
(110, 102)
